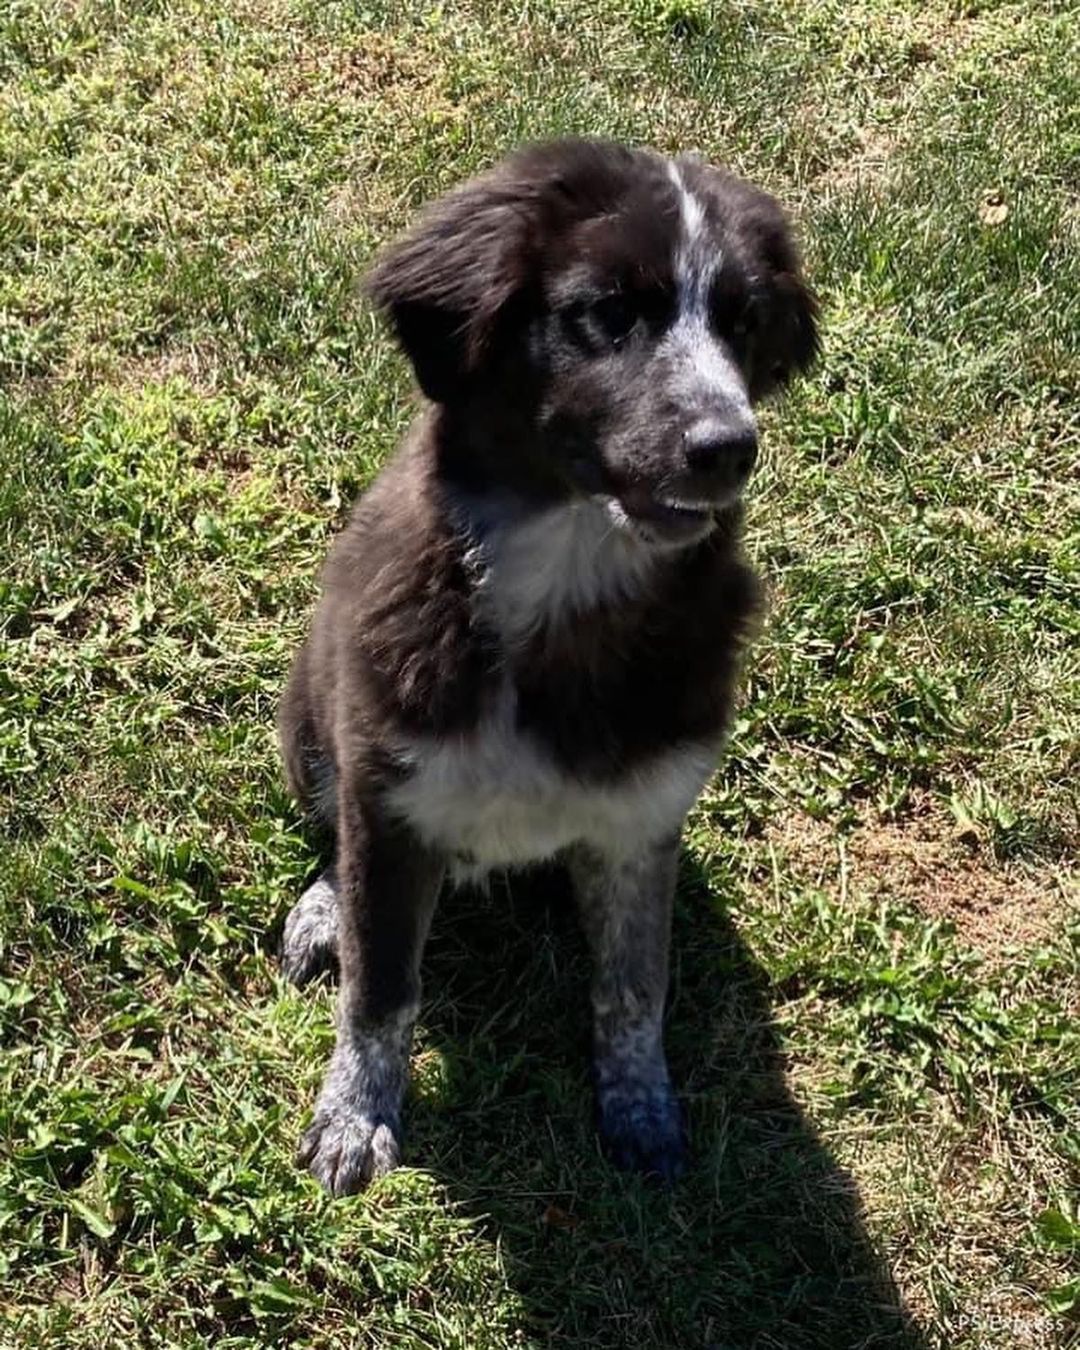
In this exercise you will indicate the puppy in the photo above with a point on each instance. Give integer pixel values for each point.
(529, 631)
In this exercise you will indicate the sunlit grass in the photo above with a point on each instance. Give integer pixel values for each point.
(876, 964)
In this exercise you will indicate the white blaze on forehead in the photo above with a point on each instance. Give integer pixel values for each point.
(693, 214)
(695, 262)
(706, 373)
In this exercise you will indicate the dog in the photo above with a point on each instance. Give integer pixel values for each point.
(528, 633)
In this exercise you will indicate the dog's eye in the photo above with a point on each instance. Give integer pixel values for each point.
(615, 316)
(736, 314)
(744, 323)
(741, 320)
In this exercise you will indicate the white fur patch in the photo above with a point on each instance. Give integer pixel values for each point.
(706, 373)
(695, 264)
(536, 568)
(495, 798)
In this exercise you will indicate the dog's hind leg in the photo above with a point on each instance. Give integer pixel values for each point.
(387, 886)
(309, 944)
(625, 904)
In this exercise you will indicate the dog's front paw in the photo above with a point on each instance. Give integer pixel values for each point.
(643, 1130)
(309, 943)
(346, 1148)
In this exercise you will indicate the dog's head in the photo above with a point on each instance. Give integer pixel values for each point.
(598, 320)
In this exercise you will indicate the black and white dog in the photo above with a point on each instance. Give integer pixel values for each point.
(529, 631)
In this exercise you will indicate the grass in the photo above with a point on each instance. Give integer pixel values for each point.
(877, 960)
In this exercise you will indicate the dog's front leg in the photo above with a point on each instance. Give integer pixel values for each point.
(625, 903)
(387, 886)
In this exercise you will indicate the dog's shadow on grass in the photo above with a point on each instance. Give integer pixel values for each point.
(763, 1243)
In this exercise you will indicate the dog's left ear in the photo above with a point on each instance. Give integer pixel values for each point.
(446, 282)
(788, 339)
(797, 340)
(794, 334)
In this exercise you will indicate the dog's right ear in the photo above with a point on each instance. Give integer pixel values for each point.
(446, 282)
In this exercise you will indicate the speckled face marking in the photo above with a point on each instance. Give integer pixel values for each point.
(705, 375)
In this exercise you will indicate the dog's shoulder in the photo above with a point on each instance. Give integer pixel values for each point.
(397, 613)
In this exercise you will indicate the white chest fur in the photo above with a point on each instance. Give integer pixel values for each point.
(538, 567)
(495, 798)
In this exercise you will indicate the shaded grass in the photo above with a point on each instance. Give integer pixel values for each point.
(884, 1113)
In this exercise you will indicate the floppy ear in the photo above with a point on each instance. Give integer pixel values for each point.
(788, 342)
(445, 283)
(792, 336)
(797, 341)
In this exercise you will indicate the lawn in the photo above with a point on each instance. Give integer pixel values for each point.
(877, 948)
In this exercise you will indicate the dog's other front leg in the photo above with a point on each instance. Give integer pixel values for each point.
(625, 903)
(387, 886)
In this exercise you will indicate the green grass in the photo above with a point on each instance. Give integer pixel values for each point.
(877, 960)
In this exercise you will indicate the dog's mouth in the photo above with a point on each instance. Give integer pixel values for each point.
(668, 518)
(659, 514)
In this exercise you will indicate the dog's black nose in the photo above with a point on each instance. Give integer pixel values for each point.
(710, 449)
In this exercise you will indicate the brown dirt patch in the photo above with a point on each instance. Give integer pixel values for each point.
(379, 67)
(200, 367)
(868, 163)
(925, 860)
(929, 36)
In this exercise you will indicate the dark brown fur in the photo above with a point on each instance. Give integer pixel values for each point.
(535, 304)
